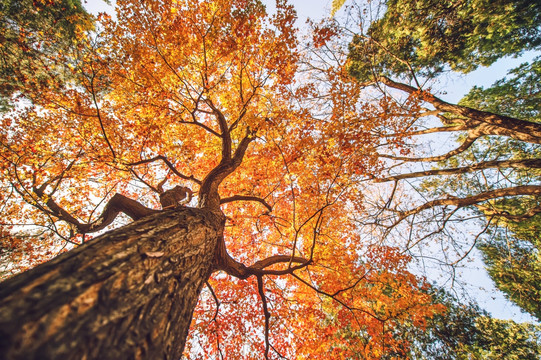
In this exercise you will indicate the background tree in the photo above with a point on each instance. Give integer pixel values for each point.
(462, 331)
(35, 35)
(195, 103)
(496, 160)
(427, 37)
(465, 331)
(511, 255)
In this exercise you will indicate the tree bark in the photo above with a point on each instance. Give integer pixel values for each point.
(128, 294)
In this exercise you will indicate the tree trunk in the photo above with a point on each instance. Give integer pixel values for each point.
(128, 294)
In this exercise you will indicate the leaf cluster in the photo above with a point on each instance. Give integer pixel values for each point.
(424, 38)
(35, 34)
(513, 260)
(465, 331)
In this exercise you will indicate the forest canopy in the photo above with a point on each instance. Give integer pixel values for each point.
(294, 171)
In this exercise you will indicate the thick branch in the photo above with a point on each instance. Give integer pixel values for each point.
(169, 165)
(515, 164)
(468, 142)
(276, 259)
(261, 290)
(208, 193)
(225, 133)
(518, 129)
(56, 209)
(246, 198)
(226, 263)
(118, 203)
(475, 199)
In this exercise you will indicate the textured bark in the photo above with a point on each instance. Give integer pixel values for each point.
(128, 294)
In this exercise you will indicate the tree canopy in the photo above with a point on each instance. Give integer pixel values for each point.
(465, 331)
(201, 102)
(300, 158)
(415, 38)
(35, 35)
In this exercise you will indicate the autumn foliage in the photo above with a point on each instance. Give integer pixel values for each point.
(209, 95)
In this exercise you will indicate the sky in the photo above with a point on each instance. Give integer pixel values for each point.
(305, 8)
(455, 87)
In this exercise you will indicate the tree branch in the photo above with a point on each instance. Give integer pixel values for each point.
(215, 318)
(98, 113)
(515, 164)
(246, 198)
(225, 133)
(475, 199)
(431, 131)
(335, 298)
(518, 129)
(208, 193)
(224, 261)
(468, 142)
(144, 182)
(266, 312)
(169, 165)
(118, 203)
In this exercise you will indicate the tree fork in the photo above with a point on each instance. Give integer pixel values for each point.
(128, 294)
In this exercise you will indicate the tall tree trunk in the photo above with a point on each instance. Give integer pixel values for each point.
(128, 294)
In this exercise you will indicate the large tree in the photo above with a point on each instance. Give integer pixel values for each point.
(511, 251)
(185, 116)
